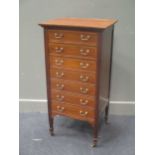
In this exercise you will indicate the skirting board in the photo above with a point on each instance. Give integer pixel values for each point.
(116, 107)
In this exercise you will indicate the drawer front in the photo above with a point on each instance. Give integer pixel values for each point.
(73, 111)
(71, 86)
(79, 100)
(69, 63)
(82, 76)
(73, 37)
(73, 51)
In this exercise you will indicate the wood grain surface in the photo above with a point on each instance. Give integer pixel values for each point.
(80, 22)
(73, 75)
(73, 37)
(73, 51)
(73, 98)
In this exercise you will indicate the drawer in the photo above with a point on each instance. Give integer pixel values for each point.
(73, 111)
(82, 76)
(73, 51)
(73, 37)
(70, 63)
(77, 99)
(75, 87)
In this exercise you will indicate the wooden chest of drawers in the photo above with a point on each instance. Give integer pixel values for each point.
(78, 56)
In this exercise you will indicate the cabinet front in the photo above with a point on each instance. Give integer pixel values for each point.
(73, 65)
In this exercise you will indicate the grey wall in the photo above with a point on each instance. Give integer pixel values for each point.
(32, 72)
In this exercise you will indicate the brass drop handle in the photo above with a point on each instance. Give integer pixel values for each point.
(84, 65)
(59, 74)
(83, 102)
(59, 49)
(59, 62)
(60, 109)
(84, 78)
(60, 86)
(58, 35)
(84, 37)
(83, 113)
(60, 97)
(84, 52)
(84, 90)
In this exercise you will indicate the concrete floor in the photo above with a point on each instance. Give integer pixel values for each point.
(74, 137)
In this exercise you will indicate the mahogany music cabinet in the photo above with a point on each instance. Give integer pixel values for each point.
(78, 55)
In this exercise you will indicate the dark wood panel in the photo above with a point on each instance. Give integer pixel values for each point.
(81, 76)
(81, 52)
(48, 81)
(73, 37)
(105, 68)
(73, 98)
(81, 113)
(70, 63)
(71, 86)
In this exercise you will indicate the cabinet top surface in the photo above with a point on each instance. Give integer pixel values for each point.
(80, 22)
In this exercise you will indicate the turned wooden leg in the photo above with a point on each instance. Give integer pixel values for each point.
(95, 136)
(51, 129)
(106, 114)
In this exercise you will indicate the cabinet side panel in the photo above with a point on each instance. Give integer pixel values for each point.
(105, 68)
(47, 63)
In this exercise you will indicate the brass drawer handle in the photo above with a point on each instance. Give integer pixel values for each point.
(84, 65)
(59, 62)
(83, 113)
(84, 90)
(60, 86)
(59, 74)
(60, 109)
(83, 102)
(84, 78)
(84, 37)
(84, 52)
(60, 98)
(58, 35)
(59, 50)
